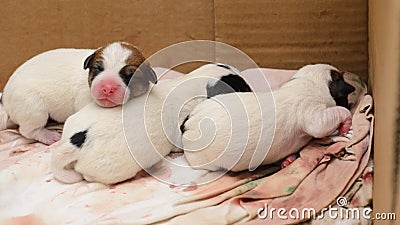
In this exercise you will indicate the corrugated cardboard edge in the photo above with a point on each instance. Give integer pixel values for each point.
(384, 40)
(289, 34)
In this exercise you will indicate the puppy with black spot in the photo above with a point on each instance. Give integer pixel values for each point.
(249, 130)
(95, 147)
(55, 84)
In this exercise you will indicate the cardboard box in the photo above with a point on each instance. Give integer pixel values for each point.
(357, 35)
(278, 34)
(384, 71)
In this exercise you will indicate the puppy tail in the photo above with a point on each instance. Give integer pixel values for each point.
(62, 161)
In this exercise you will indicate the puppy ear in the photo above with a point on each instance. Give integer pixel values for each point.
(336, 75)
(341, 86)
(347, 88)
(88, 61)
(146, 72)
(138, 86)
(340, 89)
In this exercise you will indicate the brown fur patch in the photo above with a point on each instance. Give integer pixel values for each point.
(96, 57)
(143, 75)
(136, 58)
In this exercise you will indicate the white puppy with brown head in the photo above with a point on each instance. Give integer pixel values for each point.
(250, 130)
(95, 147)
(55, 84)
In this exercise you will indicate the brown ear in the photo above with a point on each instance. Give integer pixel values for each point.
(146, 73)
(88, 61)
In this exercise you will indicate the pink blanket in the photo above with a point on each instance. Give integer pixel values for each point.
(30, 195)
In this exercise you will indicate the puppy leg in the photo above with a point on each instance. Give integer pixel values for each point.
(40, 133)
(344, 127)
(288, 160)
(46, 136)
(3, 118)
(322, 123)
(62, 162)
(33, 128)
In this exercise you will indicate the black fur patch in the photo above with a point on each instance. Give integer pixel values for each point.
(339, 89)
(51, 121)
(79, 138)
(224, 66)
(228, 84)
(182, 126)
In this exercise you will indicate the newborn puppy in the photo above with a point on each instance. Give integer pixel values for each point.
(54, 85)
(94, 145)
(312, 104)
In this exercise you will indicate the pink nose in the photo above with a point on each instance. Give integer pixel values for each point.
(107, 89)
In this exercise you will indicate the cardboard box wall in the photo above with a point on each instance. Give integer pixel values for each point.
(279, 34)
(275, 33)
(384, 49)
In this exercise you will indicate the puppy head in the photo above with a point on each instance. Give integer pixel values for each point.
(111, 69)
(340, 89)
(361, 88)
(319, 73)
(330, 77)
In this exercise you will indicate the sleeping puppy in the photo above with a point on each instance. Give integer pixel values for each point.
(54, 85)
(251, 131)
(95, 147)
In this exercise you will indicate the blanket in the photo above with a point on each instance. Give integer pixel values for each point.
(325, 171)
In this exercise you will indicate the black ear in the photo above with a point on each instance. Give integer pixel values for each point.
(138, 86)
(341, 86)
(340, 89)
(146, 72)
(347, 88)
(139, 83)
(88, 61)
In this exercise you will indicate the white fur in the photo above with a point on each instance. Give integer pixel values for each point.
(53, 84)
(303, 109)
(152, 122)
(115, 56)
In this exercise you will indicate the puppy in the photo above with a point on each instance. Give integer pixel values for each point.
(95, 147)
(54, 85)
(250, 130)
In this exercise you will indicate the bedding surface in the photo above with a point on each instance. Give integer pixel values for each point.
(325, 170)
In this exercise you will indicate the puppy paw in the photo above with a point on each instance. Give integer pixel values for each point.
(48, 137)
(349, 134)
(288, 160)
(345, 126)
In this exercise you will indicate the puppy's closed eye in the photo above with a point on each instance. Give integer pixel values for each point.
(97, 67)
(126, 73)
